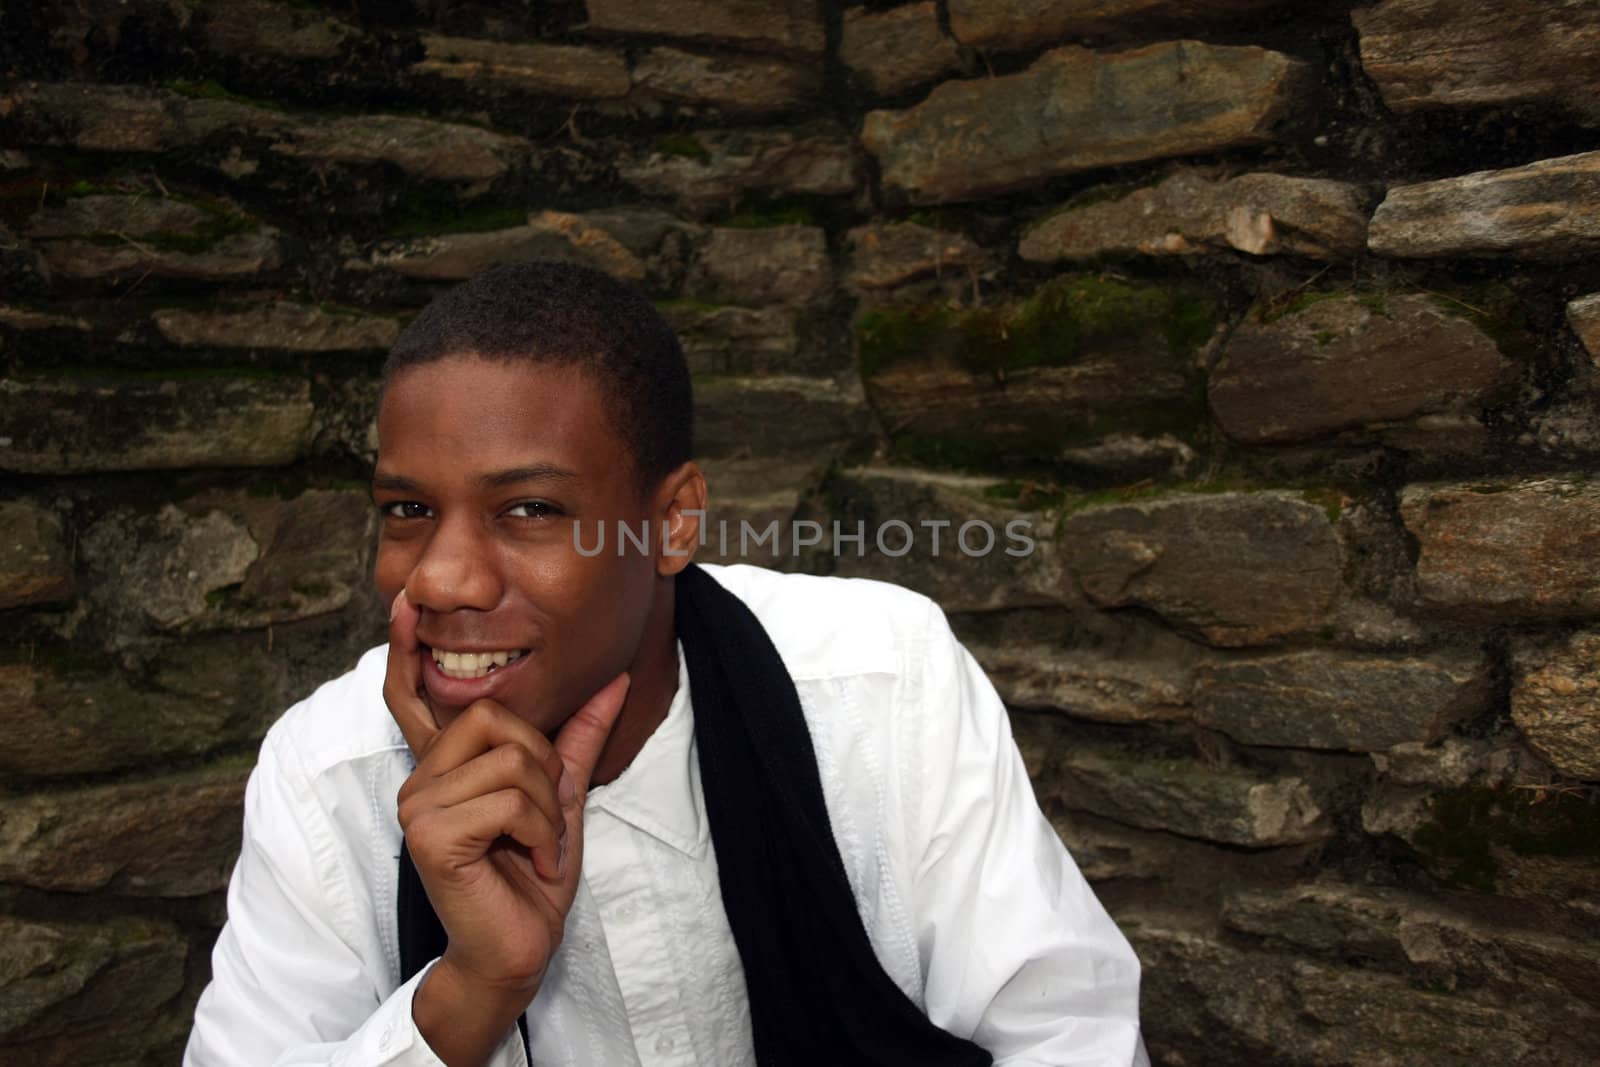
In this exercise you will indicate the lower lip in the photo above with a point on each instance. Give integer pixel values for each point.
(459, 692)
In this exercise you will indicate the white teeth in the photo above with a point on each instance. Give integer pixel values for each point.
(473, 664)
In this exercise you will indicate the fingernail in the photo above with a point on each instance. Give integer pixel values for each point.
(568, 788)
(394, 607)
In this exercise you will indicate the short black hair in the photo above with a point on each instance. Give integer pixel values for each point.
(568, 315)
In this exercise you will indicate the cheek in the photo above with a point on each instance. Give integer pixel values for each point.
(390, 568)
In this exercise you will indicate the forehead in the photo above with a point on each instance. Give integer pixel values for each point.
(478, 413)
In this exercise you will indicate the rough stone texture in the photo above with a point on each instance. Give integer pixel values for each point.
(244, 562)
(1555, 700)
(547, 235)
(788, 25)
(898, 49)
(250, 29)
(241, 255)
(277, 325)
(577, 72)
(134, 216)
(1235, 568)
(1076, 110)
(175, 836)
(1191, 213)
(1088, 684)
(734, 340)
(1423, 56)
(34, 568)
(1508, 549)
(777, 417)
(938, 534)
(25, 319)
(714, 169)
(736, 85)
(1327, 699)
(1344, 363)
(1188, 797)
(1128, 459)
(886, 255)
(129, 119)
(1015, 25)
(1583, 314)
(777, 265)
(746, 497)
(71, 982)
(1549, 210)
(69, 427)
(82, 720)
(1242, 1006)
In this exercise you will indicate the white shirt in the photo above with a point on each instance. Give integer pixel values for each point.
(971, 904)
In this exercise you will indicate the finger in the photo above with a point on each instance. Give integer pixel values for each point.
(508, 766)
(484, 726)
(458, 836)
(402, 681)
(584, 735)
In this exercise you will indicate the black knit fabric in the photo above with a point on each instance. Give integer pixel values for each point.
(817, 992)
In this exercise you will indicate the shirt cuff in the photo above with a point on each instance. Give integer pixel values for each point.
(389, 1037)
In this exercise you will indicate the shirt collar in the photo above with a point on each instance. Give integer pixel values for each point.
(659, 792)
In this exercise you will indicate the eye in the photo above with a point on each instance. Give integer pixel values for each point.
(405, 509)
(533, 509)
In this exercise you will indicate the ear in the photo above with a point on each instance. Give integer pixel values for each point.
(680, 510)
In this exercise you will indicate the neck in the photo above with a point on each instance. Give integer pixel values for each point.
(653, 683)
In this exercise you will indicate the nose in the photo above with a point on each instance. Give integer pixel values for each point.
(457, 569)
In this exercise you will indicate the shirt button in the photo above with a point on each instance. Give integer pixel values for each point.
(664, 1044)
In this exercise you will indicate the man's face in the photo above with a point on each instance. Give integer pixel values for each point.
(483, 468)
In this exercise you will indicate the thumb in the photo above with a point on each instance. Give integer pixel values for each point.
(584, 735)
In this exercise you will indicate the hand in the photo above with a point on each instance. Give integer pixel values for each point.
(493, 818)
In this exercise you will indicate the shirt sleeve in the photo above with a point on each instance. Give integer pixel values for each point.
(289, 987)
(1017, 952)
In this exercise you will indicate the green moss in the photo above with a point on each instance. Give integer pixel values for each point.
(1324, 338)
(1470, 829)
(1495, 309)
(682, 146)
(1052, 327)
(766, 218)
(210, 89)
(1295, 302)
(429, 219)
(1027, 494)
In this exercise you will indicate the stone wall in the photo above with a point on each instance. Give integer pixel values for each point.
(1279, 323)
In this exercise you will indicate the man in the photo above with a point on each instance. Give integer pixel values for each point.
(610, 807)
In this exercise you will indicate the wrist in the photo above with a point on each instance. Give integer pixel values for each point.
(462, 1017)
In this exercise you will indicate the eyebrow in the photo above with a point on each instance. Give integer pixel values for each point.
(535, 472)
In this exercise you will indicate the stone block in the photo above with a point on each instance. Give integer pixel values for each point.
(724, 339)
(746, 497)
(731, 84)
(576, 72)
(887, 255)
(1341, 700)
(174, 836)
(777, 417)
(71, 426)
(1549, 210)
(1232, 805)
(1423, 55)
(1075, 110)
(1190, 213)
(101, 214)
(1583, 315)
(251, 30)
(1020, 25)
(714, 170)
(898, 49)
(279, 325)
(1507, 549)
(1555, 701)
(1233, 568)
(555, 235)
(34, 568)
(774, 265)
(1350, 362)
(1091, 684)
(940, 535)
(231, 561)
(786, 25)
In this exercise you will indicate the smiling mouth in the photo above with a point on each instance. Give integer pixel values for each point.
(474, 664)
